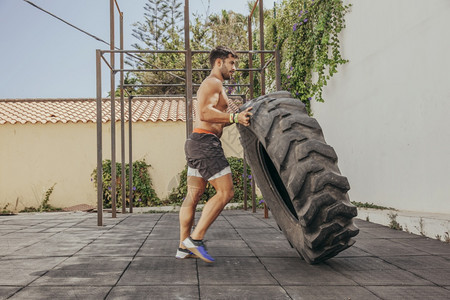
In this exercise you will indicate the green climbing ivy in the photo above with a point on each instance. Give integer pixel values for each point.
(307, 34)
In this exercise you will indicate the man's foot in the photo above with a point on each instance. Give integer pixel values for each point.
(184, 253)
(198, 248)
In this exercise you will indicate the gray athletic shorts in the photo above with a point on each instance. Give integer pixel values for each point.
(205, 157)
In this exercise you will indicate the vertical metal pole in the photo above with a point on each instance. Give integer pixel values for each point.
(188, 66)
(99, 140)
(245, 180)
(113, 115)
(130, 153)
(251, 82)
(263, 80)
(278, 69)
(122, 122)
(250, 56)
(245, 174)
(261, 46)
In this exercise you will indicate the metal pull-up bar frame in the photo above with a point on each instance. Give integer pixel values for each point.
(188, 96)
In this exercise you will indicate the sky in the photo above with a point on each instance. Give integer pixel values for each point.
(42, 57)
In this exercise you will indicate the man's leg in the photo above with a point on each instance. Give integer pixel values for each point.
(196, 187)
(215, 205)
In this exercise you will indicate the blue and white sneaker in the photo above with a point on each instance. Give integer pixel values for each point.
(198, 248)
(184, 253)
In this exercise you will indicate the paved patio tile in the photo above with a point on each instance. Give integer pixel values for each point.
(75, 277)
(154, 292)
(7, 291)
(293, 271)
(230, 248)
(238, 292)
(327, 292)
(437, 276)
(385, 247)
(66, 255)
(159, 248)
(55, 292)
(388, 233)
(385, 277)
(430, 246)
(410, 292)
(157, 271)
(419, 262)
(234, 271)
(109, 250)
(272, 248)
(353, 251)
(359, 264)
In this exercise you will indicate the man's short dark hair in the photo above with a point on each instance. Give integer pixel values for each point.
(220, 52)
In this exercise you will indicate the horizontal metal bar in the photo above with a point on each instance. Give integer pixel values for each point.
(196, 84)
(154, 84)
(158, 96)
(150, 70)
(237, 51)
(240, 70)
(143, 51)
(178, 70)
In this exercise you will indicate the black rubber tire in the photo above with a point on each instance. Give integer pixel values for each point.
(298, 176)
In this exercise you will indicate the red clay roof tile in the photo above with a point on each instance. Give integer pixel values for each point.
(44, 111)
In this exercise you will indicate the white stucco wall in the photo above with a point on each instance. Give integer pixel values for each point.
(33, 157)
(386, 112)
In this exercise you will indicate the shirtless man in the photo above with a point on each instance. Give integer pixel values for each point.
(205, 157)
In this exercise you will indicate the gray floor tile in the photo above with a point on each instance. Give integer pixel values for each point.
(385, 277)
(159, 248)
(73, 277)
(410, 292)
(160, 271)
(7, 291)
(353, 251)
(384, 247)
(428, 245)
(272, 248)
(388, 233)
(74, 292)
(95, 263)
(234, 271)
(293, 271)
(239, 292)
(327, 292)
(253, 258)
(233, 248)
(437, 276)
(359, 264)
(154, 292)
(419, 262)
(108, 250)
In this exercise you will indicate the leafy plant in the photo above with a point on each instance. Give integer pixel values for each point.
(45, 206)
(394, 224)
(307, 34)
(5, 210)
(143, 192)
(237, 170)
(370, 205)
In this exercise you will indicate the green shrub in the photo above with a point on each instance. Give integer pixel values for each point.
(237, 170)
(143, 192)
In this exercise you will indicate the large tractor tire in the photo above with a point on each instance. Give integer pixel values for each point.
(298, 176)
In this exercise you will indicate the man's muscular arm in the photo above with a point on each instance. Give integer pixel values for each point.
(208, 98)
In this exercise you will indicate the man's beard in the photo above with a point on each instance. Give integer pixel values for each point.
(225, 73)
